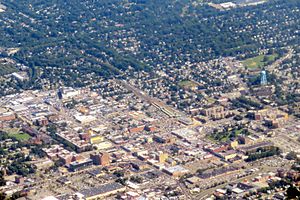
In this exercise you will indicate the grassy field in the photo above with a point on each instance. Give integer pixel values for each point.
(210, 100)
(187, 84)
(20, 136)
(15, 133)
(258, 61)
(238, 132)
(224, 137)
(7, 69)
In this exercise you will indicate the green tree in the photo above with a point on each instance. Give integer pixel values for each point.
(293, 193)
(2, 180)
(291, 155)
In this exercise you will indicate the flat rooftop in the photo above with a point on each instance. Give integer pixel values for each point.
(101, 189)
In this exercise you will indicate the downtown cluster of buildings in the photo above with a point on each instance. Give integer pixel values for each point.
(111, 143)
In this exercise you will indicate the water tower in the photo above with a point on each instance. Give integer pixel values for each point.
(263, 78)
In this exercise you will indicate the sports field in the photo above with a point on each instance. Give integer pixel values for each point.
(259, 61)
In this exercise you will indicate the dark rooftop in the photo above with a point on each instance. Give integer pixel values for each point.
(95, 172)
(101, 189)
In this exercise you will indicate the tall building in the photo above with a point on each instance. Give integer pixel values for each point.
(60, 92)
(162, 157)
(101, 158)
(215, 112)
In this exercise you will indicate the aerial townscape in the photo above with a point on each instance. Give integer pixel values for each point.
(149, 99)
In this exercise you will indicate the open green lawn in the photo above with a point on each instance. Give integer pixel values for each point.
(258, 61)
(7, 69)
(15, 133)
(238, 132)
(187, 84)
(20, 136)
(210, 100)
(224, 137)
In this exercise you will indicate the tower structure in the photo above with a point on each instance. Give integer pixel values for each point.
(60, 92)
(263, 78)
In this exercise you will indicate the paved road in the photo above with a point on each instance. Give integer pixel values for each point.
(278, 62)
